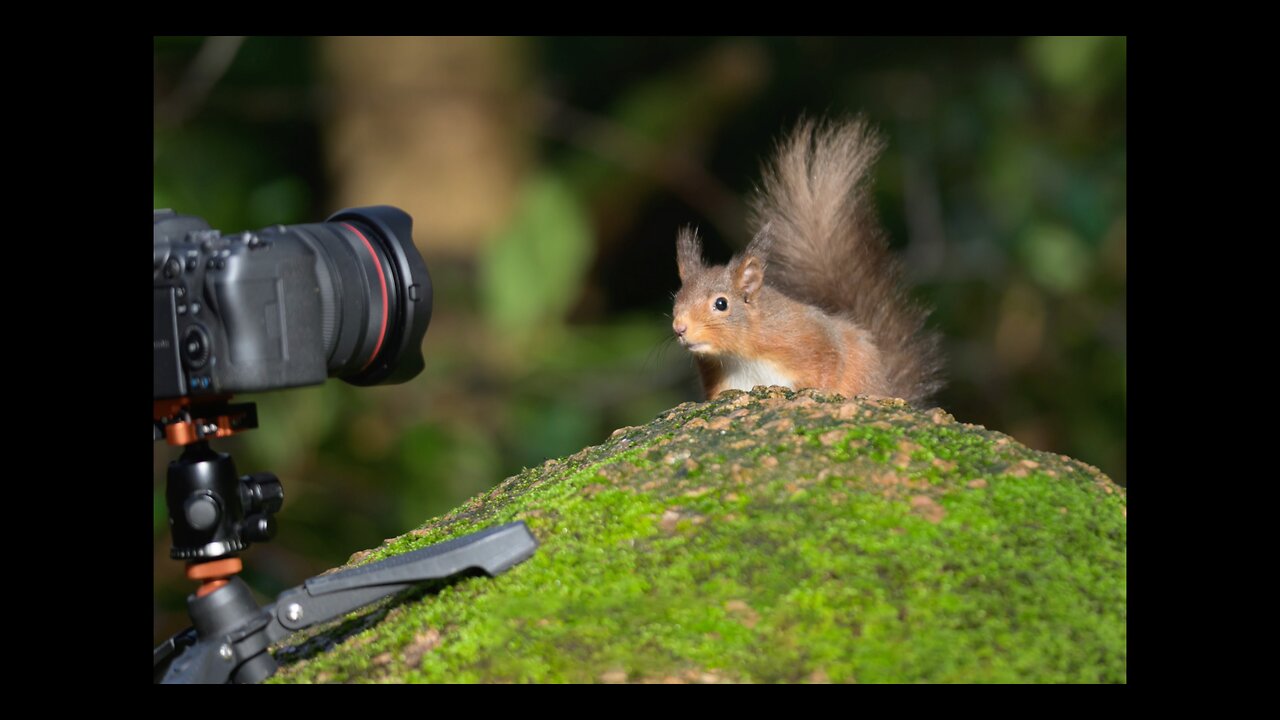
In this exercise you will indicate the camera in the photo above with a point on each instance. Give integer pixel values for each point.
(281, 307)
(288, 305)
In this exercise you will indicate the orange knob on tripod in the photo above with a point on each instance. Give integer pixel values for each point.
(214, 574)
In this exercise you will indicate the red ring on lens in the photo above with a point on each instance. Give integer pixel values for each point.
(382, 280)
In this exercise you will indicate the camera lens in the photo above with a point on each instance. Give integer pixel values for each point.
(375, 293)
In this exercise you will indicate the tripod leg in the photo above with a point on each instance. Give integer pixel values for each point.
(164, 656)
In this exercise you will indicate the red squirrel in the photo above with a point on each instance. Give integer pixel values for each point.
(816, 299)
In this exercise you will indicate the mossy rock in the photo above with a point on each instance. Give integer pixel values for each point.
(769, 536)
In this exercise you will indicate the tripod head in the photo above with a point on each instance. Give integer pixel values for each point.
(213, 512)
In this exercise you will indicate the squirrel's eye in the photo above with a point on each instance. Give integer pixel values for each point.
(722, 304)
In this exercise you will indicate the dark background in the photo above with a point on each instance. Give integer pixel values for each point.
(547, 177)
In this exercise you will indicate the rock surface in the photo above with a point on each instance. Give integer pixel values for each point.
(768, 536)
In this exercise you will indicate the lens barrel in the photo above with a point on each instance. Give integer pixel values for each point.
(375, 294)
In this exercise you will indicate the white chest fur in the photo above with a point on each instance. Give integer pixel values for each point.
(742, 374)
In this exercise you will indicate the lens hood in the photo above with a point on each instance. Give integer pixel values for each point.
(409, 293)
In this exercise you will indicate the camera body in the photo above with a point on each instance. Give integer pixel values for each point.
(232, 314)
(286, 306)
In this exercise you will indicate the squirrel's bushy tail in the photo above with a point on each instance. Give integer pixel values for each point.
(827, 247)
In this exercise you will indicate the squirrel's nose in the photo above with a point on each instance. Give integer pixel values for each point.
(679, 328)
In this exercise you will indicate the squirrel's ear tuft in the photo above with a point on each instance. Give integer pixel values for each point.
(688, 253)
(761, 243)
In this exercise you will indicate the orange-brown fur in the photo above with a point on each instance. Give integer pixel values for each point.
(833, 314)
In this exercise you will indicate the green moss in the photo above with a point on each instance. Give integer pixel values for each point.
(766, 537)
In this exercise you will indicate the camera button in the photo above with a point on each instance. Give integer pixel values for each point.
(171, 268)
(195, 347)
(195, 308)
(182, 309)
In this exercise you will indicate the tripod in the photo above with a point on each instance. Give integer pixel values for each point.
(215, 514)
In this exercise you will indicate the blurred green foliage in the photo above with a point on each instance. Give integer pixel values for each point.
(1004, 185)
(531, 273)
